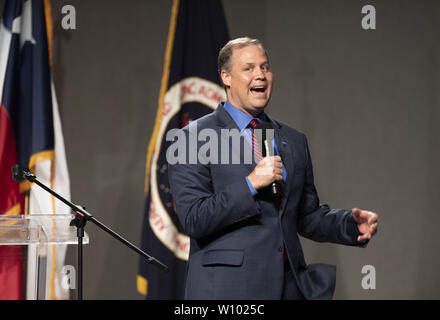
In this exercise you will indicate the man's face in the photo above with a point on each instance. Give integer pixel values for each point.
(250, 80)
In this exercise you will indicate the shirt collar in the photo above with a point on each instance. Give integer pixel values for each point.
(241, 118)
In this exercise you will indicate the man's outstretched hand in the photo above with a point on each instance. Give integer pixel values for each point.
(366, 223)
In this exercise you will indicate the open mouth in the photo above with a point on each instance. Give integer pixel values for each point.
(258, 90)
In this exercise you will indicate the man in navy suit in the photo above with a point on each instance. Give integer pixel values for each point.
(244, 239)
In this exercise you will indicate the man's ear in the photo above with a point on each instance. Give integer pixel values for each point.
(226, 78)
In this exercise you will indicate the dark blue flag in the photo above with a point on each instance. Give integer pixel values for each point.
(190, 89)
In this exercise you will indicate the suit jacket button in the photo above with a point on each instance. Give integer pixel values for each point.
(280, 249)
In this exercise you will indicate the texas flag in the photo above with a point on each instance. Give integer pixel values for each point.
(31, 136)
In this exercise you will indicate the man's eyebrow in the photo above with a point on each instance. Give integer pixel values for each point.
(253, 63)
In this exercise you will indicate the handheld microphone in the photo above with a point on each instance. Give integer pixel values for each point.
(268, 150)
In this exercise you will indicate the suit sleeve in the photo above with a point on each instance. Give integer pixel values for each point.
(203, 211)
(320, 223)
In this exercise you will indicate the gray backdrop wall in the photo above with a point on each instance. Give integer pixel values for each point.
(368, 102)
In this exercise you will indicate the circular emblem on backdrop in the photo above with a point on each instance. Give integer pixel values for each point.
(187, 100)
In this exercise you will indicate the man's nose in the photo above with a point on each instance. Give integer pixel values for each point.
(259, 73)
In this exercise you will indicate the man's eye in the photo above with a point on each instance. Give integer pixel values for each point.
(247, 69)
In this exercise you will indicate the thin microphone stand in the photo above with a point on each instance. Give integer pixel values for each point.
(81, 218)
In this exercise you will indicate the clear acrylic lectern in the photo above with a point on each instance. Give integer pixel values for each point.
(39, 233)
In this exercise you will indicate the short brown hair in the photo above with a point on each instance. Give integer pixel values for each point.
(225, 54)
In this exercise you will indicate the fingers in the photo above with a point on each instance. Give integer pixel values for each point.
(364, 216)
(356, 212)
(361, 213)
(278, 165)
(271, 163)
(364, 237)
(371, 233)
(367, 223)
(277, 174)
(278, 171)
(373, 229)
(268, 170)
(373, 218)
(274, 160)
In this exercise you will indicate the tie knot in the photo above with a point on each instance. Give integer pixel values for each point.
(254, 123)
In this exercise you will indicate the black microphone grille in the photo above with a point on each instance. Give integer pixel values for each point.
(17, 173)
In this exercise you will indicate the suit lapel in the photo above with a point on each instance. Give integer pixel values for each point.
(287, 157)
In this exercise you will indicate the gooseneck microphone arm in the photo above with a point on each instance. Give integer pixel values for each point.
(82, 216)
